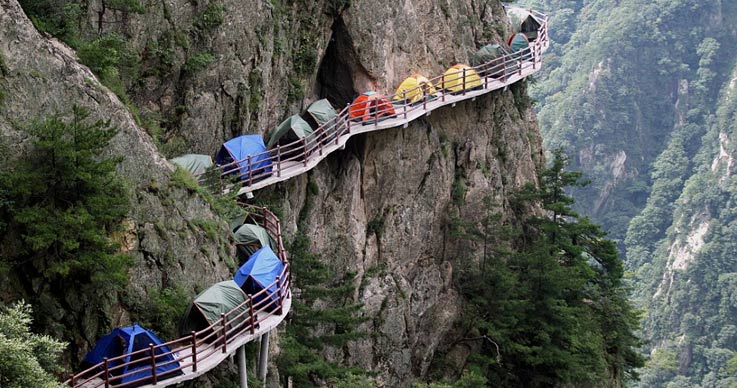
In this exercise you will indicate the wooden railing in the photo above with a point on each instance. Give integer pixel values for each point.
(195, 349)
(284, 161)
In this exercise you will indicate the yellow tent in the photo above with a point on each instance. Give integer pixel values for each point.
(411, 88)
(453, 78)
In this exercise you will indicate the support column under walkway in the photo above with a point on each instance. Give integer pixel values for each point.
(242, 366)
(263, 358)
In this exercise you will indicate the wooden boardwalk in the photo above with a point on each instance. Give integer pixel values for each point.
(200, 352)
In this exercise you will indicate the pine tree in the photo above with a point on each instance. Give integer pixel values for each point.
(62, 201)
(553, 311)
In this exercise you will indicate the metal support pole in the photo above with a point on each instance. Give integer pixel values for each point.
(263, 357)
(242, 366)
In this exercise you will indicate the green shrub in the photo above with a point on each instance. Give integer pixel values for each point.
(198, 62)
(209, 19)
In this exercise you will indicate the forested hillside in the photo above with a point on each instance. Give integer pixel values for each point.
(641, 96)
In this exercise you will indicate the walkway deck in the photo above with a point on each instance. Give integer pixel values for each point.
(200, 352)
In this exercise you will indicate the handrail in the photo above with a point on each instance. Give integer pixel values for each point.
(268, 167)
(215, 337)
(193, 350)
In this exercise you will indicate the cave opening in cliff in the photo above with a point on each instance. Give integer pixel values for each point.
(337, 68)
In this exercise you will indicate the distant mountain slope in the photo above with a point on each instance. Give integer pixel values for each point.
(642, 97)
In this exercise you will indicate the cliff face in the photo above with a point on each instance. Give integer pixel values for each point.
(382, 206)
(43, 77)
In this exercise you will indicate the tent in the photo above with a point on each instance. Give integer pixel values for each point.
(490, 59)
(370, 105)
(523, 21)
(257, 273)
(194, 163)
(238, 149)
(209, 304)
(411, 89)
(126, 340)
(250, 238)
(517, 43)
(290, 130)
(454, 82)
(321, 111)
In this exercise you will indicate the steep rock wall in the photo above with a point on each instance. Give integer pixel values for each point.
(43, 78)
(385, 202)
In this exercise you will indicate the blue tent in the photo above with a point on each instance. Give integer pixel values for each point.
(259, 271)
(126, 340)
(238, 149)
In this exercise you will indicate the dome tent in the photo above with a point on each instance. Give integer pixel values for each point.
(250, 238)
(454, 80)
(411, 89)
(519, 45)
(238, 150)
(207, 307)
(524, 21)
(490, 60)
(370, 105)
(321, 111)
(290, 130)
(196, 164)
(123, 341)
(257, 274)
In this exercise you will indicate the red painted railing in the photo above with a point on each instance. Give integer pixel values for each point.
(189, 351)
(495, 74)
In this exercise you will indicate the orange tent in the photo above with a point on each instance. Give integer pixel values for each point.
(370, 105)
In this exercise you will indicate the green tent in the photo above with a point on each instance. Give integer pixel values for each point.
(523, 21)
(250, 238)
(209, 304)
(321, 111)
(194, 163)
(291, 129)
(491, 56)
(517, 43)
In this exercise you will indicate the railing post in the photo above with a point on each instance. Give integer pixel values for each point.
(250, 312)
(225, 332)
(278, 295)
(194, 351)
(424, 98)
(304, 153)
(442, 82)
(464, 81)
(404, 98)
(250, 171)
(319, 142)
(520, 63)
(72, 379)
(107, 372)
(152, 355)
(348, 118)
(278, 160)
(504, 70)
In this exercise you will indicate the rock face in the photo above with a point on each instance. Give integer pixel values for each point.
(42, 78)
(382, 206)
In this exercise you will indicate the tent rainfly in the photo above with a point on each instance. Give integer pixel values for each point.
(453, 79)
(250, 238)
(321, 111)
(411, 89)
(290, 130)
(196, 164)
(221, 298)
(490, 60)
(123, 341)
(370, 105)
(524, 21)
(259, 273)
(238, 150)
(518, 43)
